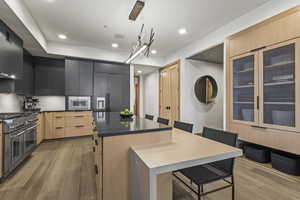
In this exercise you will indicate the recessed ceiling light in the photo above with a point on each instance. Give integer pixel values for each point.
(62, 36)
(114, 45)
(182, 31)
(50, 1)
(13, 76)
(153, 51)
(139, 71)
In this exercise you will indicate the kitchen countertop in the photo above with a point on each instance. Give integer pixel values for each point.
(65, 111)
(110, 124)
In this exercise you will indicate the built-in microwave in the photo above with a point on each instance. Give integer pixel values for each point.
(79, 103)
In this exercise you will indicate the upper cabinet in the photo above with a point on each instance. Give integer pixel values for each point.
(49, 76)
(279, 28)
(244, 88)
(79, 77)
(263, 82)
(263, 87)
(11, 52)
(25, 85)
(278, 74)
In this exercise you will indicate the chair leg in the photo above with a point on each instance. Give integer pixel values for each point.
(199, 192)
(233, 189)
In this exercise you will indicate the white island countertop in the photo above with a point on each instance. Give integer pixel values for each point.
(182, 151)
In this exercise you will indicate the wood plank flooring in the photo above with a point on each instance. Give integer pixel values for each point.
(63, 170)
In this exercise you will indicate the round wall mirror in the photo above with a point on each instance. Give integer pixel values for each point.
(206, 89)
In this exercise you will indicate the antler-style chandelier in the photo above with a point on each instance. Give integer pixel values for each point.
(141, 47)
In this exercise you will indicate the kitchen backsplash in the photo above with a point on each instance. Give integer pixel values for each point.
(10, 103)
(14, 103)
(52, 103)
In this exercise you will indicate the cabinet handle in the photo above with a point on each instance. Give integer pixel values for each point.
(96, 169)
(257, 102)
(59, 127)
(253, 126)
(94, 149)
(96, 142)
(58, 117)
(79, 126)
(79, 116)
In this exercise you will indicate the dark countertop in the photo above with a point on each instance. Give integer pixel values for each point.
(64, 111)
(110, 124)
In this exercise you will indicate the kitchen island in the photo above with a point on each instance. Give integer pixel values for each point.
(113, 138)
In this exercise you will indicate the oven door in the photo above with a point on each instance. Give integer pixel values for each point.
(30, 139)
(17, 148)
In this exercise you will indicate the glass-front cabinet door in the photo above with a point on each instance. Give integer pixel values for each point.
(278, 86)
(244, 88)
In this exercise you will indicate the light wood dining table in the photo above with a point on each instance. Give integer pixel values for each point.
(152, 165)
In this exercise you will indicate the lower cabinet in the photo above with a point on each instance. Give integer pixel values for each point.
(67, 124)
(40, 129)
(97, 148)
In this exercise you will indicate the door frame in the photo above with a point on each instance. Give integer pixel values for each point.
(179, 84)
(137, 96)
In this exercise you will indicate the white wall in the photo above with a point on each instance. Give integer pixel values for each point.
(52, 103)
(10, 103)
(150, 94)
(192, 110)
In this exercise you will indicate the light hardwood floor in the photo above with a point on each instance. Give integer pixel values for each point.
(63, 170)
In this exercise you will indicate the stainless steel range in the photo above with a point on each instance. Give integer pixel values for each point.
(19, 131)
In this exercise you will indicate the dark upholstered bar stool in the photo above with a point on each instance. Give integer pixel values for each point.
(215, 171)
(183, 126)
(150, 117)
(163, 121)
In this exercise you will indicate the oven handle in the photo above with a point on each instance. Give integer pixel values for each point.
(19, 134)
(31, 128)
(24, 131)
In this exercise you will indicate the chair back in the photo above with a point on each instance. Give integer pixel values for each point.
(225, 138)
(149, 117)
(184, 126)
(163, 121)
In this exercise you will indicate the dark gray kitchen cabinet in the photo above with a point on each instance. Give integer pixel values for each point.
(11, 52)
(25, 85)
(111, 80)
(119, 92)
(79, 77)
(111, 68)
(49, 76)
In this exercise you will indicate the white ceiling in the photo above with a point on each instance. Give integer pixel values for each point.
(83, 21)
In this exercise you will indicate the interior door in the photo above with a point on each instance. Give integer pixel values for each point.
(169, 93)
(244, 89)
(278, 87)
(164, 94)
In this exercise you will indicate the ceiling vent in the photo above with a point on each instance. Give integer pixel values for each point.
(138, 7)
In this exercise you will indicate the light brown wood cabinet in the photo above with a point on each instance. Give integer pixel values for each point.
(279, 28)
(263, 85)
(48, 125)
(40, 128)
(111, 159)
(98, 166)
(68, 124)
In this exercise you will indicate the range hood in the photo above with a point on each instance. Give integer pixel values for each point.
(6, 76)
